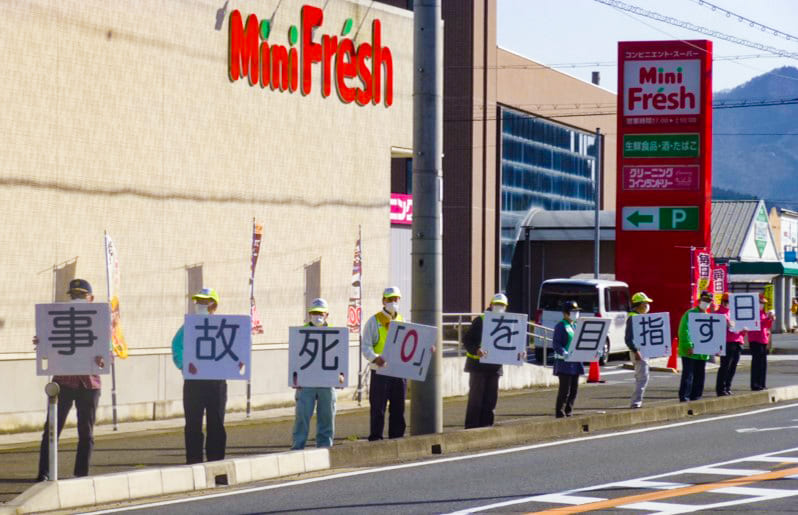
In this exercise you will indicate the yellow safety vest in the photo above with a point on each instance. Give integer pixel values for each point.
(472, 356)
(383, 321)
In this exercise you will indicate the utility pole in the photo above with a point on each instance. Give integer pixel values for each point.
(597, 234)
(426, 401)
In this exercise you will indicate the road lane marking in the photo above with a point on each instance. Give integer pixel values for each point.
(486, 454)
(722, 471)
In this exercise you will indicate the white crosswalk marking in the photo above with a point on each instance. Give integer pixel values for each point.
(723, 471)
(764, 493)
(659, 507)
(654, 485)
(566, 499)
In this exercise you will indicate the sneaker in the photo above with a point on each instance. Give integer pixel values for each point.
(635, 406)
(42, 477)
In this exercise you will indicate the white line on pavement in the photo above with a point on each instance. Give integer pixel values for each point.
(485, 454)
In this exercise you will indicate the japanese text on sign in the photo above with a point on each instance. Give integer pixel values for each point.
(408, 350)
(675, 178)
(651, 334)
(504, 338)
(707, 332)
(589, 337)
(318, 356)
(217, 346)
(661, 145)
(73, 337)
(744, 311)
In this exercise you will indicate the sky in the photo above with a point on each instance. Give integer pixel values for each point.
(585, 32)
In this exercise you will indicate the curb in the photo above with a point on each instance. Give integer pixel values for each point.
(139, 484)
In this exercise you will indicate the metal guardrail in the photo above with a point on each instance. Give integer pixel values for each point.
(536, 334)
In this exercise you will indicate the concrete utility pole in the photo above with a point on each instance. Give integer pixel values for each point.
(597, 235)
(426, 402)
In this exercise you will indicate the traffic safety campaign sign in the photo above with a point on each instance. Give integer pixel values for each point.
(589, 337)
(744, 311)
(651, 334)
(408, 350)
(74, 338)
(217, 347)
(504, 338)
(318, 356)
(707, 332)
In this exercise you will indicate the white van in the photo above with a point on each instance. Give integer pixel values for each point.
(596, 297)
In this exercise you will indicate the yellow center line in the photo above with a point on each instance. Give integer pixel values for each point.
(676, 492)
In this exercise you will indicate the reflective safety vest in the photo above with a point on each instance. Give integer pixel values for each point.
(383, 321)
(468, 354)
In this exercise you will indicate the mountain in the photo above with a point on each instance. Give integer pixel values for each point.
(763, 165)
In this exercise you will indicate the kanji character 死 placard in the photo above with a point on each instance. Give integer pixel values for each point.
(651, 334)
(744, 311)
(504, 338)
(217, 346)
(408, 350)
(74, 338)
(318, 356)
(707, 332)
(589, 337)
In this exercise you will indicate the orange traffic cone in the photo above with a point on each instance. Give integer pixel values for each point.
(673, 359)
(594, 375)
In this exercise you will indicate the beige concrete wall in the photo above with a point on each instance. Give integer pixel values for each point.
(532, 87)
(120, 116)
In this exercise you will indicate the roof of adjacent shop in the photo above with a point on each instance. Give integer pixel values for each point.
(772, 268)
(731, 220)
(569, 225)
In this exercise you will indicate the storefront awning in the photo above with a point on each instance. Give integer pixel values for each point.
(763, 268)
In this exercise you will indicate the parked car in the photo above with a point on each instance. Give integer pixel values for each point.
(596, 297)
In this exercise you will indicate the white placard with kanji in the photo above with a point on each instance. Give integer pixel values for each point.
(318, 356)
(707, 332)
(74, 338)
(651, 334)
(504, 338)
(408, 350)
(217, 347)
(744, 311)
(589, 337)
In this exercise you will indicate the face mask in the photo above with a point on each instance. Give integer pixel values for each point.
(392, 307)
(79, 301)
(646, 308)
(317, 320)
(575, 316)
(201, 309)
(498, 308)
(703, 305)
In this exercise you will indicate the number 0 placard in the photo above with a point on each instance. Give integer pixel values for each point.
(408, 350)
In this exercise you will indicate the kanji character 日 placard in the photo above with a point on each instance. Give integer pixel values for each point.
(651, 334)
(504, 338)
(217, 346)
(408, 350)
(74, 338)
(744, 311)
(318, 356)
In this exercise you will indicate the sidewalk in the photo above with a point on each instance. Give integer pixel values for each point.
(138, 445)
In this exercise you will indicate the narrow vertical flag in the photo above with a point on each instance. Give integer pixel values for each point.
(354, 311)
(118, 343)
(257, 235)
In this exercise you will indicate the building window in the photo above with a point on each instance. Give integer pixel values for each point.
(544, 165)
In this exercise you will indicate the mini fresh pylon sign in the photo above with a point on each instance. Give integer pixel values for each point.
(277, 66)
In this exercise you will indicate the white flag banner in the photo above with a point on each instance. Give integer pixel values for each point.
(651, 334)
(74, 338)
(707, 332)
(504, 338)
(589, 337)
(217, 347)
(744, 311)
(408, 350)
(318, 356)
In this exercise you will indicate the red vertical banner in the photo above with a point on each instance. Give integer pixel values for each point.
(354, 312)
(664, 173)
(257, 235)
(720, 281)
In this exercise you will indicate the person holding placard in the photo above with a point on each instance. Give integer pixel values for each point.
(384, 389)
(567, 372)
(308, 398)
(691, 386)
(758, 341)
(641, 304)
(81, 390)
(483, 382)
(734, 341)
(202, 397)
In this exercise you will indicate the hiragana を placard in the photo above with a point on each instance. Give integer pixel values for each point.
(74, 338)
(744, 311)
(589, 337)
(707, 332)
(217, 346)
(318, 356)
(504, 338)
(408, 350)
(651, 334)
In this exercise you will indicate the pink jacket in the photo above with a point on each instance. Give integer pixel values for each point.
(731, 336)
(763, 335)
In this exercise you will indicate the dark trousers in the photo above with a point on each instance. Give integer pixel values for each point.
(692, 384)
(759, 365)
(483, 392)
(566, 395)
(86, 405)
(204, 397)
(384, 389)
(728, 366)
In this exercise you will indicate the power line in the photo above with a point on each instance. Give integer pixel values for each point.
(751, 23)
(622, 6)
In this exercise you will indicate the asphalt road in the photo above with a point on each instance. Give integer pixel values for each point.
(686, 460)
